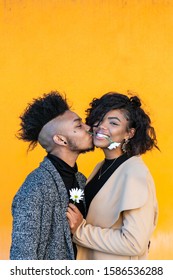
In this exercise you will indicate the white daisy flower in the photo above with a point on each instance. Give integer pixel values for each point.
(76, 195)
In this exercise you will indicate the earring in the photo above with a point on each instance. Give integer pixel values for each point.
(124, 146)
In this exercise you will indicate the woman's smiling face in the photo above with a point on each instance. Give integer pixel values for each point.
(112, 128)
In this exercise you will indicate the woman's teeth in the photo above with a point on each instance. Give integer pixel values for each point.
(100, 135)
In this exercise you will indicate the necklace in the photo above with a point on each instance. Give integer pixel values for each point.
(100, 172)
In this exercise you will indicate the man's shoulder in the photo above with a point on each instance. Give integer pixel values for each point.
(39, 180)
(42, 173)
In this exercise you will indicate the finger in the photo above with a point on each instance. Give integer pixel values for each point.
(74, 208)
(69, 210)
(70, 220)
(68, 215)
(71, 214)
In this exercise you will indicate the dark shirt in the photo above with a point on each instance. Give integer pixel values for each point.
(106, 170)
(67, 174)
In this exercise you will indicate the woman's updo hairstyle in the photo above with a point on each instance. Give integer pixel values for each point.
(135, 102)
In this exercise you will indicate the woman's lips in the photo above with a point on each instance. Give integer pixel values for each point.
(101, 136)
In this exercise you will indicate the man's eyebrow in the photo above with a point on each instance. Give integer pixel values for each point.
(77, 119)
(114, 118)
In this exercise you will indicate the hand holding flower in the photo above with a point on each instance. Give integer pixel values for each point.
(74, 217)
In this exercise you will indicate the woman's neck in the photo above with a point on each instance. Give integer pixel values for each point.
(115, 153)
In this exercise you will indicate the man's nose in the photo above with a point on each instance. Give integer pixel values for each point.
(87, 127)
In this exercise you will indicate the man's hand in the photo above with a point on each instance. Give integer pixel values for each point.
(74, 217)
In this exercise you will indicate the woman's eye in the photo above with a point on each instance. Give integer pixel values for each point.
(114, 123)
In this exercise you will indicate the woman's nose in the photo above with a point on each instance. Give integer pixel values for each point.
(101, 125)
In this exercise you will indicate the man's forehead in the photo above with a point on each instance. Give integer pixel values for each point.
(68, 118)
(71, 116)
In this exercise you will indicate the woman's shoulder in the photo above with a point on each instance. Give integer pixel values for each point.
(135, 164)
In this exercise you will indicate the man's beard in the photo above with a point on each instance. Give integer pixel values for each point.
(75, 148)
(91, 149)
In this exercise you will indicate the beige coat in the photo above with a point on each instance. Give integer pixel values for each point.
(121, 217)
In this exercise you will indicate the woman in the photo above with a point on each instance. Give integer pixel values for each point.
(120, 193)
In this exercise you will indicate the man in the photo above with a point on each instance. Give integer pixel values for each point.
(40, 226)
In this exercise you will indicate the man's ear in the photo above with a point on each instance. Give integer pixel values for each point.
(60, 140)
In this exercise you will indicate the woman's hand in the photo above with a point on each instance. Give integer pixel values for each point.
(74, 217)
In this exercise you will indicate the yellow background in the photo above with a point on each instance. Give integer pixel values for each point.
(85, 49)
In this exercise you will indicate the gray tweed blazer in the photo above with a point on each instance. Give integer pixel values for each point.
(40, 227)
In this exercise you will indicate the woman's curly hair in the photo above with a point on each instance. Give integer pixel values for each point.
(39, 112)
(145, 136)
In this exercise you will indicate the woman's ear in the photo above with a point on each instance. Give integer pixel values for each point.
(131, 132)
(60, 140)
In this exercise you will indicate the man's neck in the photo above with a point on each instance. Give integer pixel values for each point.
(67, 156)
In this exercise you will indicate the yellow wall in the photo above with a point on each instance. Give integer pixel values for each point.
(86, 48)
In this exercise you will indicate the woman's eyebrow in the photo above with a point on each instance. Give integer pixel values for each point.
(114, 118)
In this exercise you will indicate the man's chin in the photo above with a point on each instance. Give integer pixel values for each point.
(91, 149)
